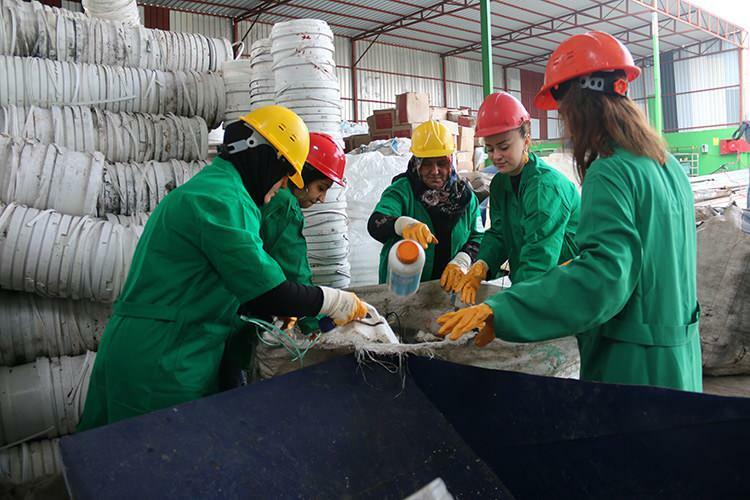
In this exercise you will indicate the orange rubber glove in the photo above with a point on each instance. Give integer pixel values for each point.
(469, 284)
(412, 229)
(460, 322)
(455, 271)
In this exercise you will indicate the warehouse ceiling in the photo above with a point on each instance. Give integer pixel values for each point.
(523, 33)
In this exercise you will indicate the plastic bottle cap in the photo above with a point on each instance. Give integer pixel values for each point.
(407, 252)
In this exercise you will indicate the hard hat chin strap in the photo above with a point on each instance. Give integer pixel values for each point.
(255, 140)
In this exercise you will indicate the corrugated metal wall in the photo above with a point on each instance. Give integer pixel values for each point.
(215, 27)
(74, 6)
(745, 84)
(706, 90)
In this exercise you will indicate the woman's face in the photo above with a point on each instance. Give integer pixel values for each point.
(313, 192)
(435, 172)
(506, 151)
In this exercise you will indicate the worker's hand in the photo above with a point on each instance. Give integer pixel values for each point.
(459, 322)
(288, 323)
(343, 307)
(454, 271)
(412, 229)
(469, 283)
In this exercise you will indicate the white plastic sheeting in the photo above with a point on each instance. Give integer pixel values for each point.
(237, 76)
(262, 85)
(43, 398)
(368, 175)
(119, 136)
(32, 327)
(57, 255)
(125, 11)
(304, 70)
(29, 81)
(325, 231)
(30, 461)
(46, 176)
(135, 188)
(36, 30)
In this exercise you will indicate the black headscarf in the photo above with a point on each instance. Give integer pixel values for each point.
(260, 167)
(449, 202)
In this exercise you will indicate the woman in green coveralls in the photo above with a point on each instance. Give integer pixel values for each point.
(282, 223)
(631, 294)
(431, 205)
(199, 262)
(533, 207)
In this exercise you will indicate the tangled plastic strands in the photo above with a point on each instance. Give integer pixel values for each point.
(283, 339)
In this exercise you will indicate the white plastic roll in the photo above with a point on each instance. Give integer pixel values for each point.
(124, 11)
(33, 327)
(304, 70)
(237, 78)
(45, 83)
(262, 85)
(57, 255)
(44, 398)
(30, 461)
(119, 136)
(46, 176)
(36, 30)
(135, 188)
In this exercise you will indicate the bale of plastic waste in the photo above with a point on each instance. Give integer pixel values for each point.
(413, 319)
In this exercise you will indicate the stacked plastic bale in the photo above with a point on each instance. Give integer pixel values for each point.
(262, 83)
(87, 151)
(305, 81)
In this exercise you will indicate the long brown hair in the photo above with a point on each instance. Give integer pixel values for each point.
(596, 122)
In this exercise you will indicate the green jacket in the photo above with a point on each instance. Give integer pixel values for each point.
(398, 199)
(631, 295)
(281, 230)
(534, 230)
(199, 258)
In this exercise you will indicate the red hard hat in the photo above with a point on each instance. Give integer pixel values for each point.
(582, 55)
(327, 157)
(499, 113)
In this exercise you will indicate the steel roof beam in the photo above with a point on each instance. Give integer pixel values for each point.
(433, 11)
(264, 7)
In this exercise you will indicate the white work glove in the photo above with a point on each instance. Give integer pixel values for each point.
(343, 307)
(412, 229)
(455, 270)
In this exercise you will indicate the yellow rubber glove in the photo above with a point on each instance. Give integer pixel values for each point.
(460, 322)
(454, 271)
(469, 284)
(412, 229)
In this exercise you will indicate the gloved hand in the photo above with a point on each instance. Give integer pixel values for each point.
(460, 322)
(412, 229)
(288, 322)
(343, 307)
(469, 284)
(454, 271)
(485, 335)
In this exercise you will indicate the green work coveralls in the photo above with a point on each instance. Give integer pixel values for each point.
(535, 229)
(631, 295)
(199, 258)
(398, 199)
(281, 230)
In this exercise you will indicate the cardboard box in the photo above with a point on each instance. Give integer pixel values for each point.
(385, 119)
(467, 121)
(452, 126)
(412, 107)
(453, 115)
(355, 141)
(464, 166)
(465, 139)
(438, 113)
(405, 130)
(465, 156)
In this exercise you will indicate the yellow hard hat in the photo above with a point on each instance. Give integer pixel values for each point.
(286, 132)
(432, 139)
